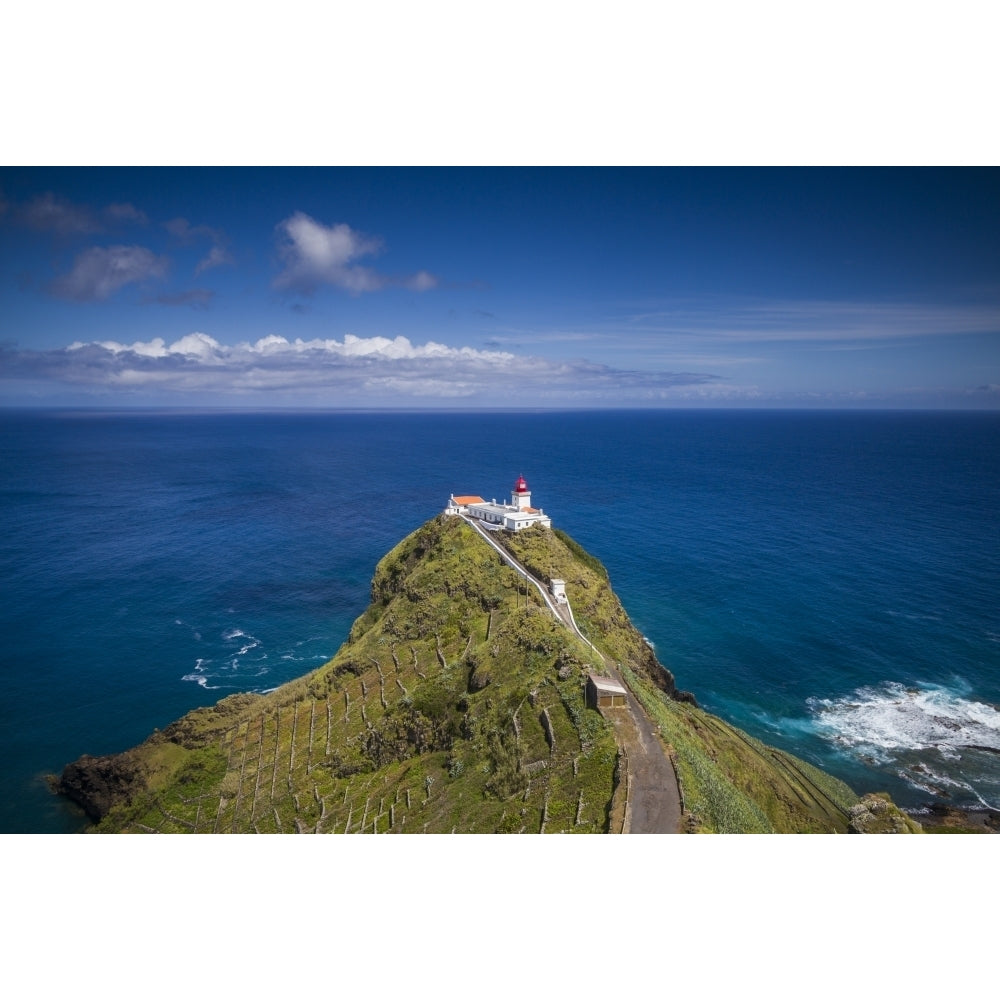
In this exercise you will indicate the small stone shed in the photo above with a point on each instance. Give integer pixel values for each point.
(603, 692)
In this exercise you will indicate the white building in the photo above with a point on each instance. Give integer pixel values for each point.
(511, 516)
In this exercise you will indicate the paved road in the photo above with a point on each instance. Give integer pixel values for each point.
(654, 801)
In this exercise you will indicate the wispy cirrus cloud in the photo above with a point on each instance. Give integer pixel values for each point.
(216, 257)
(184, 232)
(99, 272)
(354, 370)
(316, 255)
(47, 213)
(124, 212)
(815, 321)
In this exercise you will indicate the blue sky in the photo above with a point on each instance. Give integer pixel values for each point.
(476, 287)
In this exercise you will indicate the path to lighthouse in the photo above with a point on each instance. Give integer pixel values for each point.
(654, 801)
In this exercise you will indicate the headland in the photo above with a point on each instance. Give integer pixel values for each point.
(494, 684)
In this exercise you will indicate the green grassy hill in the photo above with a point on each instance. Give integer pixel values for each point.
(456, 704)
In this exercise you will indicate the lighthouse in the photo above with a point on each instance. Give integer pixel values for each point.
(520, 498)
(513, 516)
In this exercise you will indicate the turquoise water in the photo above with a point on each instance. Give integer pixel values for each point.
(827, 581)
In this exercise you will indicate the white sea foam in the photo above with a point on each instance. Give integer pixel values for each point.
(934, 737)
(202, 680)
(890, 718)
(252, 642)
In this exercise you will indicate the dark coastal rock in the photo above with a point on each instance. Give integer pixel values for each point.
(940, 818)
(664, 679)
(651, 668)
(99, 783)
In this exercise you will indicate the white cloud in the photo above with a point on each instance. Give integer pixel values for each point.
(125, 212)
(355, 370)
(47, 213)
(216, 257)
(155, 348)
(316, 255)
(200, 346)
(52, 214)
(422, 281)
(184, 232)
(180, 229)
(194, 345)
(99, 272)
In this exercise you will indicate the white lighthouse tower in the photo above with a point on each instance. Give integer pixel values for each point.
(520, 497)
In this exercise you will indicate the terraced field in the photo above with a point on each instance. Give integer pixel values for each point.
(451, 707)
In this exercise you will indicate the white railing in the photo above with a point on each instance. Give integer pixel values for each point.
(514, 564)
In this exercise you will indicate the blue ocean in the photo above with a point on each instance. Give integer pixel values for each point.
(829, 582)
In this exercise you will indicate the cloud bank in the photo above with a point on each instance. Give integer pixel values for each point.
(315, 255)
(375, 371)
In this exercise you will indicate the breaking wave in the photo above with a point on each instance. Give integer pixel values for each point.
(891, 716)
(933, 736)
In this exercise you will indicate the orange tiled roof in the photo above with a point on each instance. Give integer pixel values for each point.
(465, 501)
